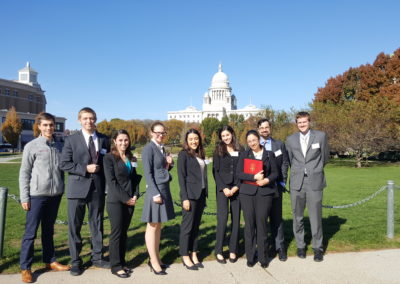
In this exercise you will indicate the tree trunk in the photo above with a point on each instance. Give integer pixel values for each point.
(358, 160)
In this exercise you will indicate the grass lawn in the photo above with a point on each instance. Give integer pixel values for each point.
(353, 229)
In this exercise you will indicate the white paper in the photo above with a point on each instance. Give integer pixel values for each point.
(315, 146)
(234, 153)
(278, 153)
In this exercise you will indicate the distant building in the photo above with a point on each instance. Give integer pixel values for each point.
(26, 95)
(218, 101)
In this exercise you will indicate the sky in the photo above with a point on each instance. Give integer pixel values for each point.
(139, 59)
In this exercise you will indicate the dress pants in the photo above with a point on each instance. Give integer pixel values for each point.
(76, 214)
(223, 205)
(190, 225)
(43, 210)
(256, 209)
(276, 222)
(313, 200)
(120, 216)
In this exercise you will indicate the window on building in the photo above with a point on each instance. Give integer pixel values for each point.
(30, 97)
(27, 124)
(7, 92)
(38, 99)
(24, 77)
(59, 127)
(15, 93)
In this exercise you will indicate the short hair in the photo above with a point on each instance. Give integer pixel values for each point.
(303, 114)
(261, 121)
(157, 123)
(44, 116)
(88, 110)
(252, 132)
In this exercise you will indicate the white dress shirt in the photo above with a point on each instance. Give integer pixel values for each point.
(94, 137)
(304, 142)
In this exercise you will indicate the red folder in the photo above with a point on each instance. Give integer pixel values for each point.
(252, 167)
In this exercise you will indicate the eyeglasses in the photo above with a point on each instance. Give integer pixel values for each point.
(160, 133)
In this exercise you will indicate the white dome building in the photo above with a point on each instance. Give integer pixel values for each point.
(218, 101)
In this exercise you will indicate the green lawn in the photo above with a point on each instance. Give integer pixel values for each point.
(353, 229)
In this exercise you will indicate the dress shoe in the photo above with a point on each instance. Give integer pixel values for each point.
(282, 255)
(56, 266)
(233, 259)
(193, 267)
(101, 264)
(26, 276)
(220, 260)
(301, 252)
(127, 269)
(162, 272)
(251, 263)
(318, 255)
(121, 274)
(199, 265)
(164, 266)
(76, 270)
(264, 265)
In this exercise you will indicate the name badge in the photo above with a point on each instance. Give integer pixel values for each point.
(134, 164)
(315, 146)
(206, 161)
(278, 153)
(103, 151)
(234, 153)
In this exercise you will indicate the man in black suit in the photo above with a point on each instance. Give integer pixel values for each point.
(282, 160)
(82, 158)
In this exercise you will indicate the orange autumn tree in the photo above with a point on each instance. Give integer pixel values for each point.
(12, 127)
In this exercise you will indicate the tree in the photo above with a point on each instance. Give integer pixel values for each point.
(12, 127)
(209, 126)
(174, 129)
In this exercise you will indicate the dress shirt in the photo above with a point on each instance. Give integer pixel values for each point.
(94, 137)
(266, 143)
(160, 147)
(304, 142)
(202, 166)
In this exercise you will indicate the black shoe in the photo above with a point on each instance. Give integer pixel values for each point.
(233, 260)
(162, 272)
(301, 252)
(264, 265)
(222, 261)
(282, 255)
(199, 265)
(76, 270)
(124, 274)
(101, 264)
(127, 269)
(251, 263)
(193, 267)
(318, 255)
(164, 266)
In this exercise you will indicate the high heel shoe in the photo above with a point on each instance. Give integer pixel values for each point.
(193, 267)
(162, 272)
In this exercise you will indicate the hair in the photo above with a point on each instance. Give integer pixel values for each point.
(114, 150)
(261, 121)
(157, 123)
(303, 114)
(253, 132)
(44, 116)
(221, 148)
(199, 152)
(88, 110)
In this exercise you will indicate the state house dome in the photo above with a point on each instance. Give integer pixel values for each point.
(220, 79)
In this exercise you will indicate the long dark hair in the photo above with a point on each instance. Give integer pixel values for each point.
(199, 152)
(221, 148)
(114, 150)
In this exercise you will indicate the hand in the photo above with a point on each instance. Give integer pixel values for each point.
(234, 190)
(186, 205)
(26, 206)
(227, 192)
(169, 159)
(262, 182)
(157, 199)
(92, 168)
(259, 175)
(132, 201)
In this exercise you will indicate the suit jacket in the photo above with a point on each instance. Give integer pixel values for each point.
(154, 169)
(190, 178)
(75, 157)
(122, 184)
(282, 160)
(317, 156)
(224, 171)
(270, 171)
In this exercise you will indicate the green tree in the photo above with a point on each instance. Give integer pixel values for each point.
(209, 126)
(12, 127)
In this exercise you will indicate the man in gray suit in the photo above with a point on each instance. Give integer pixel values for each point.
(308, 154)
(82, 158)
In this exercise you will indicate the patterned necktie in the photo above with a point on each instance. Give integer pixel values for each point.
(92, 150)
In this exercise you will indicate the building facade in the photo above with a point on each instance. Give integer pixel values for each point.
(218, 101)
(28, 98)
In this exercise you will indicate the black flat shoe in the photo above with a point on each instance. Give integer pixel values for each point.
(127, 269)
(121, 275)
(162, 272)
(193, 267)
(282, 255)
(264, 265)
(251, 263)
(318, 255)
(233, 260)
(222, 261)
(200, 265)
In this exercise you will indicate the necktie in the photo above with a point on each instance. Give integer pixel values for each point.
(162, 149)
(92, 151)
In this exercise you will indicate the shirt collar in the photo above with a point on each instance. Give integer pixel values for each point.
(265, 141)
(158, 145)
(87, 135)
(305, 136)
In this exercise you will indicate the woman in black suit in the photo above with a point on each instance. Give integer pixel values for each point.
(256, 199)
(123, 192)
(225, 160)
(192, 175)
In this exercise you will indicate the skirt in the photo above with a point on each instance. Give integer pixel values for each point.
(158, 213)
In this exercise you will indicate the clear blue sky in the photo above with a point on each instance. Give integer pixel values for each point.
(140, 59)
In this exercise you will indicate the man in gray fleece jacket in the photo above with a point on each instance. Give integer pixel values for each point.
(41, 185)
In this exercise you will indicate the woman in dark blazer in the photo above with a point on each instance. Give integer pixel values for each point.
(192, 174)
(256, 200)
(122, 194)
(226, 156)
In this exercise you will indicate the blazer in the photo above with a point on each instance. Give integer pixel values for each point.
(270, 172)
(313, 163)
(224, 171)
(189, 176)
(282, 159)
(122, 185)
(74, 159)
(154, 169)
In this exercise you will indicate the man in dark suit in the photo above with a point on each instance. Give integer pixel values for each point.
(282, 161)
(82, 158)
(308, 154)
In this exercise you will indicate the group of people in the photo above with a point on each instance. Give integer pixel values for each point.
(103, 173)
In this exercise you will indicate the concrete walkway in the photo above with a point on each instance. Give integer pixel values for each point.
(7, 159)
(375, 267)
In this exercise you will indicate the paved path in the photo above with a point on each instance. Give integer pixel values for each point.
(375, 267)
(7, 159)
